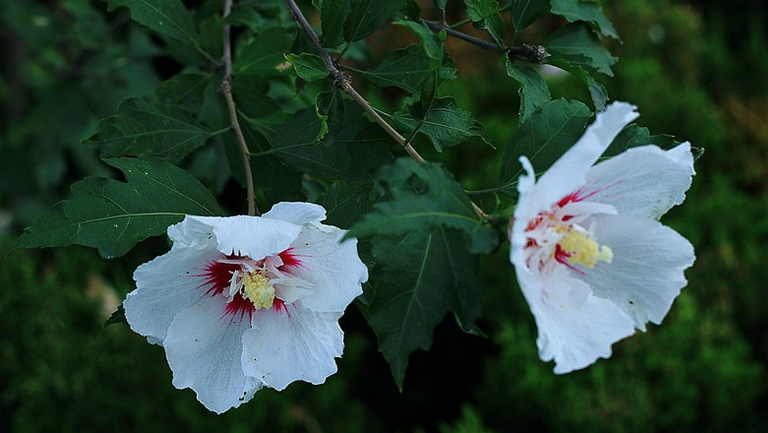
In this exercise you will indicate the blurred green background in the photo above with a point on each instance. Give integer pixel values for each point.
(696, 69)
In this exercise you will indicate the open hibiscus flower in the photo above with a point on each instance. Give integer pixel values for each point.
(590, 256)
(244, 302)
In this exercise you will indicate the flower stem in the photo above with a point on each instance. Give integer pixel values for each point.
(226, 90)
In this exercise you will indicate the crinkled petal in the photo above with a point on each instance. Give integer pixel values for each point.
(164, 287)
(647, 272)
(643, 181)
(203, 347)
(255, 237)
(332, 266)
(191, 233)
(296, 212)
(292, 343)
(575, 327)
(569, 172)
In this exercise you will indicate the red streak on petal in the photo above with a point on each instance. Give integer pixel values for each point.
(562, 257)
(532, 224)
(217, 276)
(240, 306)
(279, 306)
(289, 259)
(530, 242)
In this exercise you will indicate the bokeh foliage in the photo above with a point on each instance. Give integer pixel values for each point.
(698, 70)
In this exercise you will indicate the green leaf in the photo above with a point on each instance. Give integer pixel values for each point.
(368, 15)
(349, 151)
(333, 13)
(117, 317)
(544, 137)
(346, 203)
(143, 129)
(168, 17)
(405, 68)
(418, 278)
(634, 136)
(434, 47)
(423, 197)
(525, 12)
(597, 91)
(578, 46)
(186, 90)
(308, 67)
(585, 10)
(440, 4)
(495, 27)
(478, 10)
(445, 124)
(534, 92)
(264, 56)
(114, 216)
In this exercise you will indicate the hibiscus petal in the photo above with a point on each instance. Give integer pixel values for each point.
(569, 172)
(191, 233)
(164, 287)
(575, 327)
(296, 212)
(647, 272)
(203, 347)
(643, 181)
(332, 266)
(292, 343)
(255, 237)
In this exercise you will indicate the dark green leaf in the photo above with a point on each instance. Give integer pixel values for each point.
(308, 67)
(478, 10)
(578, 46)
(143, 129)
(333, 13)
(434, 47)
(368, 15)
(495, 27)
(634, 136)
(418, 278)
(405, 68)
(544, 137)
(440, 4)
(346, 203)
(423, 197)
(584, 10)
(185, 90)
(445, 124)
(168, 17)
(114, 216)
(264, 55)
(349, 151)
(597, 91)
(117, 317)
(525, 12)
(534, 92)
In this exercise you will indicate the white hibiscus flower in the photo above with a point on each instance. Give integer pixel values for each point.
(590, 256)
(244, 302)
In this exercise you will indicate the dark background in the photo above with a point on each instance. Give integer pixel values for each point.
(696, 69)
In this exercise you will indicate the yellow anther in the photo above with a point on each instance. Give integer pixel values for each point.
(582, 250)
(259, 290)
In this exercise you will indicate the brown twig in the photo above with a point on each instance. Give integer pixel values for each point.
(226, 90)
(530, 53)
(344, 83)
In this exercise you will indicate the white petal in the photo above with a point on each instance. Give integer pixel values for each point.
(647, 271)
(296, 212)
(644, 181)
(191, 233)
(251, 236)
(569, 172)
(290, 344)
(204, 349)
(332, 266)
(575, 327)
(164, 287)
